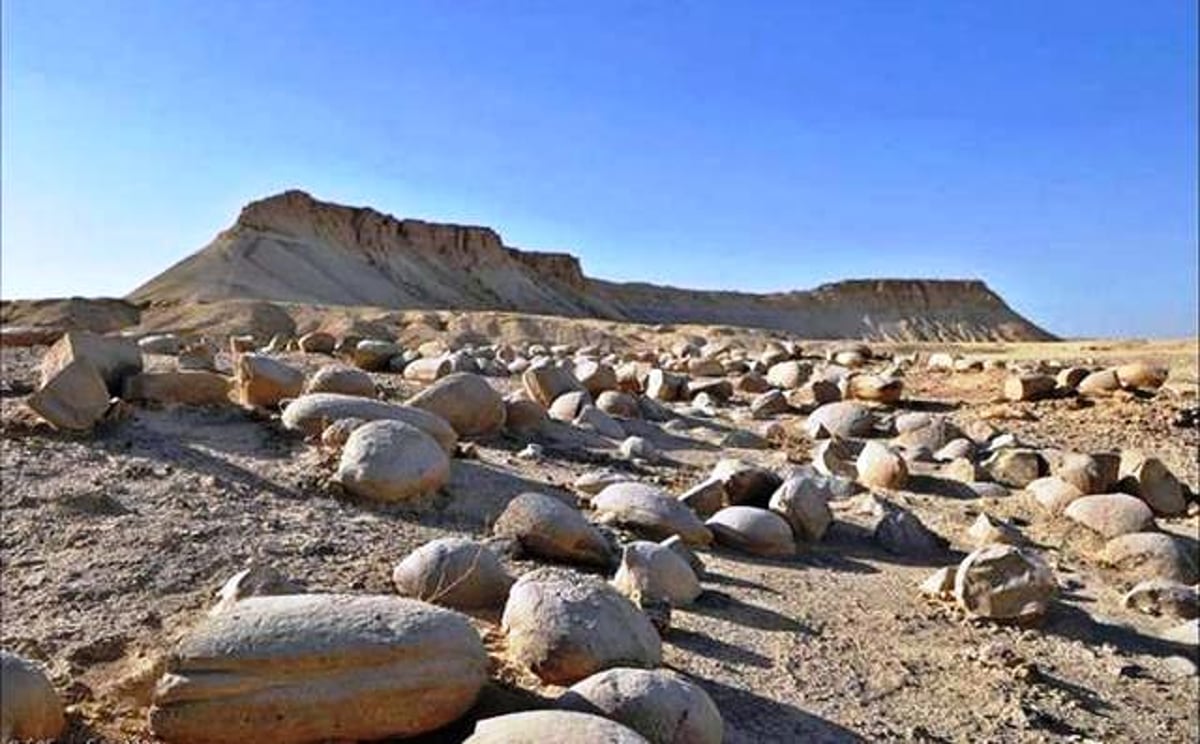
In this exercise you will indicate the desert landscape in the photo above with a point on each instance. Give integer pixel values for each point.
(340, 476)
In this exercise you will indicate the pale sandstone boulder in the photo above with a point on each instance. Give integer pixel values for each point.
(313, 667)
(664, 386)
(769, 404)
(1069, 378)
(1015, 467)
(844, 419)
(539, 726)
(873, 388)
(649, 570)
(1150, 555)
(392, 461)
(30, 709)
(317, 342)
(595, 481)
(427, 369)
(940, 584)
(74, 398)
(1111, 514)
(986, 531)
(705, 368)
(835, 457)
(548, 528)
(545, 384)
(1150, 480)
(804, 502)
(593, 419)
(1091, 474)
(113, 357)
(706, 497)
(651, 512)
(338, 433)
(464, 400)
(1003, 582)
(1029, 387)
(1053, 494)
(194, 388)
(898, 530)
(675, 544)
(660, 705)
(596, 377)
(311, 413)
(1141, 376)
(565, 627)
(715, 388)
(1164, 597)
(751, 382)
(454, 572)
(338, 378)
(260, 381)
(619, 404)
(880, 467)
(753, 530)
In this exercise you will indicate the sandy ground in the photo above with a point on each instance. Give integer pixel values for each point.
(112, 544)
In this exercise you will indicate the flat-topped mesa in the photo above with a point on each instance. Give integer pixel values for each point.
(292, 247)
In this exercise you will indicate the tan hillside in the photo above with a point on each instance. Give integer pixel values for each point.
(293, 248)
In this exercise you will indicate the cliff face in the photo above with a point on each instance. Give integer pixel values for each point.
(294, 248)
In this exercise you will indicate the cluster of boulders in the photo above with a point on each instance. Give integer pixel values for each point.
(270, 662)
(1049, 380)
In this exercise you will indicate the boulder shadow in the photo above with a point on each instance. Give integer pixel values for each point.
(935, 485)
(714, 648)
(725, 607)
(1076, 624)
(754, 718)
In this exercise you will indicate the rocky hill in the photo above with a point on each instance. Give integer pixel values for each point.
(296, 249)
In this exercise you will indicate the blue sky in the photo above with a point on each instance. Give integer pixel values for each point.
(1048, 148)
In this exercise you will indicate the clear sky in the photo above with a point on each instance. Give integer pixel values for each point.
(1048, 147)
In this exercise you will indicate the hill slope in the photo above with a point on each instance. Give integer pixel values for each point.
(294, 248)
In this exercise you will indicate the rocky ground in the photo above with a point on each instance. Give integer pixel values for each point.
(114, 543)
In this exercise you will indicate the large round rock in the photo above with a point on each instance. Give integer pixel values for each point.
(311, 413)
(455, 572)
(392, 461)
(660, 705)
(338, 378)
(842, 419)
(651, 512)
(656, 572)
(1111, 514)
(540, 726)
(548, 528)
(753, 530)
(564, 627)
(1004, 582)
(803, 500)
(30, 709)
(312, 667)
(466, 401)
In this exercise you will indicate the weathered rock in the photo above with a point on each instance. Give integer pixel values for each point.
(804, 502)
(338, 378)
(1091, 474)
(1029, 387)
(1099, 384)
(1069, 378)
(842, 419)
(1150, 555)
(264, 382)
(873, 388)
(1163, 597)
(900, 532)
(596, 377)
(464, 400)
(548, 528)
(30, 709)
(522, 415)
(1003, 582)
(392, 461)
(195, 388)
(1150, 480)
(660, 705)
(533, 726)
(595, 481)
(716, 388)
(592, 418)
(769, 404)
(74, 398)
(940, 584)
(1111, 514)
(565, 627)
(676, 544)
(789, 375)
(1187, 634)
(1141, 376)
(753, 530)
(317, 342)
(619, 404)
(745, 483)
(962, 469)
(427, 369)
(650, 570)
(199, 355)
(937, 432)
(311, 413)
(960, 448)
(705, 368)
(113, 357)
(454, 572)
(1015, 467)
(373, 355)
(751, 382)
(706, 497)
(638, 448)
(651, 512)
(1053, 494)
(879, 467)
(836, 456)
(313, 667)
(545, 384)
